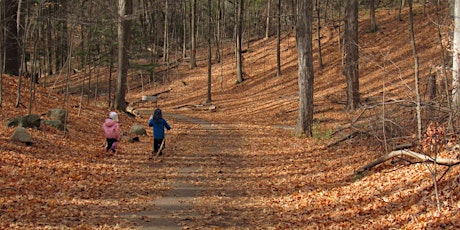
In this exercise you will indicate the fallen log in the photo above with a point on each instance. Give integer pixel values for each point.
(409, 153)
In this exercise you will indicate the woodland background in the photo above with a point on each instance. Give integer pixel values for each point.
(66, 180)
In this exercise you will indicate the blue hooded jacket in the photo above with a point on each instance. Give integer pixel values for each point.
(158, 124)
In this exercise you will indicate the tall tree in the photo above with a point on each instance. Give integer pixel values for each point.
(416, 71)
(239, 34)
(278, 41)
(193, 34)
(267, 23)
(12, 60)
(166, 34)
(209, 98)
(125, 8)
(456, 59)
(351, 54)
(318, 32)
(373, 23)
(2, 54)
(305, 74)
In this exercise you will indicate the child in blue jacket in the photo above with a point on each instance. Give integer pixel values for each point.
(159, 124)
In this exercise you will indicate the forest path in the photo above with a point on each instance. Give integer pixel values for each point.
(198, 155)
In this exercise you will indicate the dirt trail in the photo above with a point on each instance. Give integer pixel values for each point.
(197, 155)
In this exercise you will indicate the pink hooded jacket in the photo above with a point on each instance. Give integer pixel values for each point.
(111, 129)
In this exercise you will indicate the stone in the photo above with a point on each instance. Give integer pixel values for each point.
(138, 130)
(22, 135)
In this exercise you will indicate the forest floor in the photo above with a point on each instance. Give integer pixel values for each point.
(238, 166)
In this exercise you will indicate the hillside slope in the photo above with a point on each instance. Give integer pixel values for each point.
(70, 182)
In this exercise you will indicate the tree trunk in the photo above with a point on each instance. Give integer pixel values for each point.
(416, 74)
(184, 30)
(166, 34)
(218, 30)
(193, 35)
(2, 53)
(318, 32)
(267, 23)
(305, 74)
(351, 54)
(278, 40)
(12, 60)
(239, 34)
(124, 11)
(373, 23)
(209, 99)
(20, 33)
(456, 59)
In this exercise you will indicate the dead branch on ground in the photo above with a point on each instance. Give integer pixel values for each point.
(412, 154)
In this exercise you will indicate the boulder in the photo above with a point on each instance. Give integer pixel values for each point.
(138, 130)
(20, 134)
(28, 121)
(54, 123)
(57, 114)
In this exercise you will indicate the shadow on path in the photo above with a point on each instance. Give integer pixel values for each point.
(175, 208)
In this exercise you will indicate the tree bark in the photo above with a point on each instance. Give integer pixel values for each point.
(351, 54)
(12, 60)
(267, 23)
(278, 40)
(318, 32)
(166, 34)
(124, 11)
(2, 53)
(416, 72)
(456, 59)
(193, 35)
(373, 23)
(209, 99)
(239, 34)
(305, 74)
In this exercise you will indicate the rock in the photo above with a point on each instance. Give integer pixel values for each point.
(57, 114)
(54, 123)
(138, 130)
(28, 121)
(20, 134)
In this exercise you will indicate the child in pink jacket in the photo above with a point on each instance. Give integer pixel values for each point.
(111, 128)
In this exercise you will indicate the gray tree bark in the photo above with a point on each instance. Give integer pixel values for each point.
(305, 74)
(124, 11)
(351, 54)
(239, 34)
(193, 35)
(456, 59)
(209, 99)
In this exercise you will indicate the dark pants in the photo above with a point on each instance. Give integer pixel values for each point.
(157, 144)
(111, 144)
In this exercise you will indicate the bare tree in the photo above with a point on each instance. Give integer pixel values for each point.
(124, 11)
(306, 74)
(278, 40)
(373, 23)
(267, 23)
(2, 53)
(166, 34)
(456, 59)
(318, 32)
(416, 70)
(351, 54)
(209, 99)
(239, 34)
(193, 34)
(12, 60)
